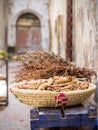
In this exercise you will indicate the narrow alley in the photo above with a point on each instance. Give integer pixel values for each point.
(16, 116)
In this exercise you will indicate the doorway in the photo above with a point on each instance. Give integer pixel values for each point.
(28, 33)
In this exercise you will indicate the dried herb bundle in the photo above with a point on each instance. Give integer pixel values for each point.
(43, 65)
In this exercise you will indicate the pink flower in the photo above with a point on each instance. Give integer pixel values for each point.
(62, 95)
(10, 89)
(26, 83)
(61, 100)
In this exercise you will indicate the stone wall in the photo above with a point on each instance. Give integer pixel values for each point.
(37, 7)
(84, 44)
(2, 23)
(96, 38)
(58, 14)
(52, 14)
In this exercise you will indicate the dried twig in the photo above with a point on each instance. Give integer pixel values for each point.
(43, 65)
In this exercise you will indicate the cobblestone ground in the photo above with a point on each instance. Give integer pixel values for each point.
(16, 116)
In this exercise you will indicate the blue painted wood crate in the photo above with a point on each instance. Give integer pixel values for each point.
(51, 117)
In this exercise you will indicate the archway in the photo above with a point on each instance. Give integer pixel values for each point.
(28, 32)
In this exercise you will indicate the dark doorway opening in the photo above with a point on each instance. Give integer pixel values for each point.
(28, 33)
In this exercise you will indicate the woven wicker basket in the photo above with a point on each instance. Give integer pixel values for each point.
(38, 98)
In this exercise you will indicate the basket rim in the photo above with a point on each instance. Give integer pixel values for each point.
(92, 87)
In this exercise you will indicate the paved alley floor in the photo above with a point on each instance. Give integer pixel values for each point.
(16, 116)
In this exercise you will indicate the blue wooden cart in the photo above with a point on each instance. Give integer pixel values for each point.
(74, 116)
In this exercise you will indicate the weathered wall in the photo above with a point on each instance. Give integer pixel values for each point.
(84, 43)
(37, 7)
(96, 37)
(58, 26)
(2, 24)
(52, 14)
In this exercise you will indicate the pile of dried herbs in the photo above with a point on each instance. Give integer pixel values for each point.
(42, 65)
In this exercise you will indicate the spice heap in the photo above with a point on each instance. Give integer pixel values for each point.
(56, 83)
(43, 65)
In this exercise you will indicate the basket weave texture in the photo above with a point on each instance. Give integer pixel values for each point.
(38, 98)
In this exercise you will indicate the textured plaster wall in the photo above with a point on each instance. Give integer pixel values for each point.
(58, 26)
(39, 8)
(84, 43)
(2, 25)
(96, 37)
